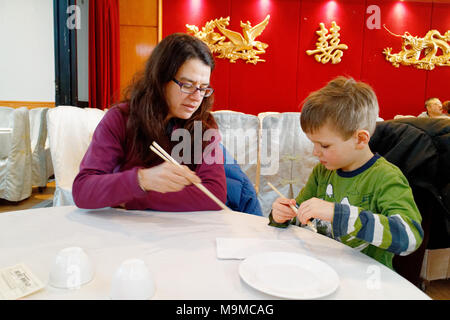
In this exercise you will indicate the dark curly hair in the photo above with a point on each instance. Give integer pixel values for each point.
(148, 107)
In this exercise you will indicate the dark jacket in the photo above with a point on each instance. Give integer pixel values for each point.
(241, 195)
(420, 147)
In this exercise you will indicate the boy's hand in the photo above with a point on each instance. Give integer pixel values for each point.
(281, 211)
(316, 208)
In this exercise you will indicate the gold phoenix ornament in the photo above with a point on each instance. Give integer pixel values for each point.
(412, 48)
(328, 46)
(230, 44)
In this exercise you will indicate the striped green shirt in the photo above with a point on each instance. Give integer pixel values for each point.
(374, 211)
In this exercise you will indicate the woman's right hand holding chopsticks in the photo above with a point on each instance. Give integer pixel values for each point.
(166, 177)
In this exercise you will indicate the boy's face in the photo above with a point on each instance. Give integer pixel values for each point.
(332, 150)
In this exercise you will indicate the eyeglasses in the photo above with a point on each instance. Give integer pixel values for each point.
(187, 87)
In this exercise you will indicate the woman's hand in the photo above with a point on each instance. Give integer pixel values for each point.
(166, 177)
(281, 210)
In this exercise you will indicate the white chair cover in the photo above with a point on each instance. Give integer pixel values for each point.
(5, 130)
(70, 131)
(15, 158)
(42, 167)
(240, 136)
(286, 157)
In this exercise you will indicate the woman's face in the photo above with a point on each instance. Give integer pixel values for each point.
(183, 105)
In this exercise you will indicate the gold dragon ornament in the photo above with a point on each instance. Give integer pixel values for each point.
(412, 48)
(328, 46)
(230, 44)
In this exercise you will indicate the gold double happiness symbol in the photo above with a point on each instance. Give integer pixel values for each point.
(328, 46)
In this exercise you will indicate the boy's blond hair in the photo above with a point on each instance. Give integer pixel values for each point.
(344, 104)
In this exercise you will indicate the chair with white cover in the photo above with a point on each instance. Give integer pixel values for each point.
(240, 136)
(286, 157)
(70, 131)
(41, 167)
(15, 154)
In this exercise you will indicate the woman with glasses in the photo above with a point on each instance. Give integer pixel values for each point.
(167, 103)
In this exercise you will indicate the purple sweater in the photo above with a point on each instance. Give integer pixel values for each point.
(106, 180)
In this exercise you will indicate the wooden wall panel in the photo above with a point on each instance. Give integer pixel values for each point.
(139, 12)
(138, 36)
(136, 44)
(28, 104)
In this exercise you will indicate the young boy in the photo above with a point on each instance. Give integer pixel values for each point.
(356, 197)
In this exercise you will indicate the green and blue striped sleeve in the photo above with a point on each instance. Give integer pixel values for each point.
(395, 228)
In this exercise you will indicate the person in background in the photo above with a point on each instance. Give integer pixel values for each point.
(434, 109)
(445, 107)
(173, 92)
(353, 195)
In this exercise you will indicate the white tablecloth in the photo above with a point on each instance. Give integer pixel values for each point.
(180, 249)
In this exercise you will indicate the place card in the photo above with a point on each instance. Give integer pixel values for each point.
(17, 282)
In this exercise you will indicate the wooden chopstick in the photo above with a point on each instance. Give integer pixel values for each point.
(156, 148)
(309, 223)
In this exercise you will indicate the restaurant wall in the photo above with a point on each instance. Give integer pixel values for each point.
(289, 74)
(138, 36)
(27, 59)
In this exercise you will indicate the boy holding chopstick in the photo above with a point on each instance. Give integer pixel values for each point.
(354, 196)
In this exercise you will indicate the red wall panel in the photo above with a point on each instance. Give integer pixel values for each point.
(399, 90)
(349, 16)
(269, 85)
(438, 84)
(289, 74)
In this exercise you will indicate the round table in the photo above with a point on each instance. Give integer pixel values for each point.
(180, 249)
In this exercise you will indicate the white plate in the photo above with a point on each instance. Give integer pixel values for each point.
(289, 275)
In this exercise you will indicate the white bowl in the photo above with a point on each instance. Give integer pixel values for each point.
(132, 281)
(71, 269)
